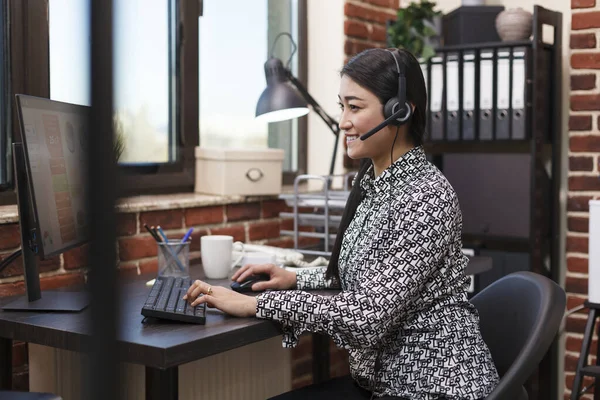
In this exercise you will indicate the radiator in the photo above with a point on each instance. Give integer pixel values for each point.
(256, 371)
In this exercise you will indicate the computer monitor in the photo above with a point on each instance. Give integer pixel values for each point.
(50, 175)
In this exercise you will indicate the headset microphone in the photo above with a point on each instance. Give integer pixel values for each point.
(385, 123)
(396, 111)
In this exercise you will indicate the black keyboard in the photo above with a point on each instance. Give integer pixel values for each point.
(165, 301)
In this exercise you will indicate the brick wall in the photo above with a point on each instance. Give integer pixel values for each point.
(364, 27)
(256, 222)
(584, 182)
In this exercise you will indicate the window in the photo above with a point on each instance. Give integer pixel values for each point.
(150, 62)
(233, 47)
(142, 71)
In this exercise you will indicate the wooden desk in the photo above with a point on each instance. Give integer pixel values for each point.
(160, 346)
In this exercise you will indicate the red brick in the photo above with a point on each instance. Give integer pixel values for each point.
(574, 343)
(149, 266)
(578, 203)
(242, 211)
(368, 14)
(15, 268)
(587, 381)
(195, 239)
(587, 143)
(585, 102)
(585, 61)
(577, 264)
(571, 362)
(378, 33)
(353, 46)
(20, 354)
(585, 20)
(238, 232)
(574, 301)
(20, 381)
(126, 224)
(272, 208)
(583, 82)
(578, 224)
(580, 122)
(583, 3)
(137, 247)
(583, 41)
(393, 4)
(356, 28)
(576, 285)
(575, 324)
(577, 244)
(10, 236)
(77, 257)
(203, 215)
(166, 219)
(263, 230)
(300, 382)
(582, 163)
(128, 269)
(584, 183)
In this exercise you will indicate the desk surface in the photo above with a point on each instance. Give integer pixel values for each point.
(155, 343)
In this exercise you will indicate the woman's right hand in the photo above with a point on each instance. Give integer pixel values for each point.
(281, 279)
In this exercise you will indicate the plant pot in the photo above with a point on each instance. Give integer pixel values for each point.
(514, 24)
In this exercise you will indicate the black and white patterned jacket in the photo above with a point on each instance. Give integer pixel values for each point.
(404, 291)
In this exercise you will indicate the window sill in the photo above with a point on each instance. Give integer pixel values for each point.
(9, 213)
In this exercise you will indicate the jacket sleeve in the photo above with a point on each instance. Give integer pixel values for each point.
(314, 278)
(402, 270)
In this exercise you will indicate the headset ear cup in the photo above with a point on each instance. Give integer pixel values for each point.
(392, 106)
(388, 110)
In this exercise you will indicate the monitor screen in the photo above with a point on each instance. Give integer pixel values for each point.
(54, 136)
(493, 191)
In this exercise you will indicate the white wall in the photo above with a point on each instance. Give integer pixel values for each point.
(325, 60)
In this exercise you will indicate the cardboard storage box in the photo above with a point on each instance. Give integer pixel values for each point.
(238, 171)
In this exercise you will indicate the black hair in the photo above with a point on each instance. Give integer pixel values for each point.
(375, 70)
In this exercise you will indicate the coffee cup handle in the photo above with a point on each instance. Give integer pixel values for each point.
(240, 244)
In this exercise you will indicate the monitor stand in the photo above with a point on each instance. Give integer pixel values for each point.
(34, 301)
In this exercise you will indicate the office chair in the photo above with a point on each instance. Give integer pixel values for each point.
(10, 395)
(519, 317)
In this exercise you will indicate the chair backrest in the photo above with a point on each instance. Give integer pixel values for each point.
(520, 315)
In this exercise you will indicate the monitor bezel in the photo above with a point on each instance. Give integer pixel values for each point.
(32, 194)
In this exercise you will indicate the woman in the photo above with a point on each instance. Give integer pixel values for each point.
(403, 312)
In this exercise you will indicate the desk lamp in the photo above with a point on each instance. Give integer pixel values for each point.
(286, 97)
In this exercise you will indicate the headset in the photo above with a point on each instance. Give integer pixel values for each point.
(396, 111)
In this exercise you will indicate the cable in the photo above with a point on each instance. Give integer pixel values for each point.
(287, 64)
(6, 262)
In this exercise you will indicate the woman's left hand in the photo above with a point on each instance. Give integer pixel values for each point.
(226, 300)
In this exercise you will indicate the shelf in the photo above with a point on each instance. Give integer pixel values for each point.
(314, 235)
(314, 220)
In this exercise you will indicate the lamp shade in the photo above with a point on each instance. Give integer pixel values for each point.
(280, 101)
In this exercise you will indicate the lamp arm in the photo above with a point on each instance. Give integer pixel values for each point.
(329, 120)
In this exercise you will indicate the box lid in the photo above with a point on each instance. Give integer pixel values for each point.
(237, 154)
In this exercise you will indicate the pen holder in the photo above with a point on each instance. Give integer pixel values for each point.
(174, 258)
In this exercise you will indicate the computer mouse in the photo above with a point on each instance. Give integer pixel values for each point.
(246, 285)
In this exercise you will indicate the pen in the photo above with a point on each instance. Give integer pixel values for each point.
(187, 235)
(152, 233)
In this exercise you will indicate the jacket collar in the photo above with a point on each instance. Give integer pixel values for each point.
(402, 171)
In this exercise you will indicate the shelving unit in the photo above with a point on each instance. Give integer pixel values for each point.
(534, 130)
(317, 214)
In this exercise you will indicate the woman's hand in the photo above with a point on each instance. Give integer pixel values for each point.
(224, 299)
(281, 279)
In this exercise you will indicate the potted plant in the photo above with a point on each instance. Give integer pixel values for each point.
(416, 29)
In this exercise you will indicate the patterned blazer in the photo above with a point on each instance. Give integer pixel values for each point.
(403, 299)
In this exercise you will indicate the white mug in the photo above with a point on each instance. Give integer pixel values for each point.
(216, 256)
